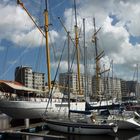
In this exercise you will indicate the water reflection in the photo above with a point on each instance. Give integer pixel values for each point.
(98, 137)
(128, 135)
(36, 138)
(121, 135)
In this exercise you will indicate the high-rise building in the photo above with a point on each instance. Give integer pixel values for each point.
(130, 90)
(73, 79)
(38, 80)
(133, 88)
(124, 88)
(27, 77)
(108, 87)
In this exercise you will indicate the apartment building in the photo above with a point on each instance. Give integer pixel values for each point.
(73, 82)
(108, 87)
(27, 77)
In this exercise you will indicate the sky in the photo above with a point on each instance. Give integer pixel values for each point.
(22, 44)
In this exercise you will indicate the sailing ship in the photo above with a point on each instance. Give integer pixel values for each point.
(79, 122)
(34, 107)
(114, 110)
(83, 127)
(21, 108)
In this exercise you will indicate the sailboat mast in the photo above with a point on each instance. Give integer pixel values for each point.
(68, 34)
(47, 44)
(77, 48)
(97, 60)
(85, 60)
(46, 27)
(113, 91)
(137, 96)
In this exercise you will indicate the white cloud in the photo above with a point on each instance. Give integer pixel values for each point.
(64, 67)
(17, 27)
(53, 35)
(113, 39)
(128, 13)
(13, 21)
(31, 39)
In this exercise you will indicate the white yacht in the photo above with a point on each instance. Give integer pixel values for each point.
(33, 107)
(126, 120)
(82, 127)
(15, 105)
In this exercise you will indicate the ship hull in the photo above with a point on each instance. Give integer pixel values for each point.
(36, 109)
(80, 128)
(128, 124)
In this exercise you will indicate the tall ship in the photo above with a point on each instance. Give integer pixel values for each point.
(20, 102)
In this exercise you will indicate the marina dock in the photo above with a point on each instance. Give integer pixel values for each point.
(37, 130)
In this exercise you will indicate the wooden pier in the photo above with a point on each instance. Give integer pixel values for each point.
(37, 130)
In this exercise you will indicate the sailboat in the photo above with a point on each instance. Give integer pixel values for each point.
(123, 119)
(22, 108)
(77, 122)
(82, 126)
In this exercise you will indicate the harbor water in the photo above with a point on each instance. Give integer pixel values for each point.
(121, 135)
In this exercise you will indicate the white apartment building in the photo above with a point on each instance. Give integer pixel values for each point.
(38, 80)
(108, 87)
(73, 79)
(27, 77)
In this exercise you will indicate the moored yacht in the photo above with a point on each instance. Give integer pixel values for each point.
(82, 126)
(126, 120)
(18, 102)
(21, 107)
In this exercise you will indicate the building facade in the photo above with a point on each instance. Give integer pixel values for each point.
(27, 77)
(124, 88)
(38, 80)
(130, 90)
(73, 82)
(108, 87)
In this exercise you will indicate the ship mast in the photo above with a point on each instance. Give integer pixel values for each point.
(47, 43)
(68, 35)
(46, 27)
(85, 63)
(97, 60)
(77, 49)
